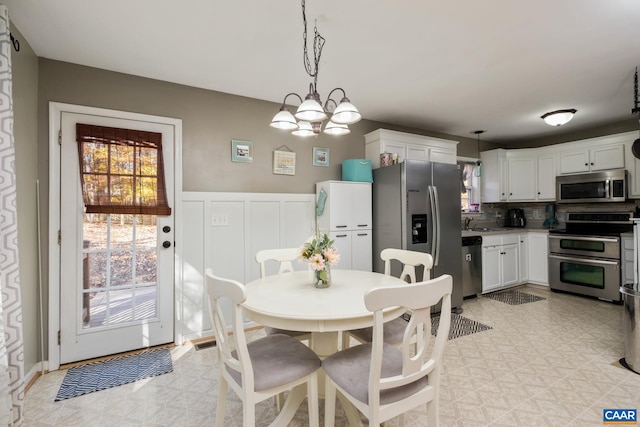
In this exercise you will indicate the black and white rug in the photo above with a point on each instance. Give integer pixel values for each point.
(114, 372)
(513, 297)
(460, 326)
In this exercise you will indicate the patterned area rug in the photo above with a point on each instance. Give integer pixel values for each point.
(513, 297)
(114, 372)
(460, 326)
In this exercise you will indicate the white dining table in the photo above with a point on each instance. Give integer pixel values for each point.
(291, 301)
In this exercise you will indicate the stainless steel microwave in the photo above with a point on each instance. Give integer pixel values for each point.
(598, 187)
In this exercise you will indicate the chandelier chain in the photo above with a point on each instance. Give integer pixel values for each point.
(318, 44)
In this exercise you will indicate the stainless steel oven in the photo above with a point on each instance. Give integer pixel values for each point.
(584, 258)
(573, 268)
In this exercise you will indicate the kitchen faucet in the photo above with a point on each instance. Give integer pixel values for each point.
(467, 220)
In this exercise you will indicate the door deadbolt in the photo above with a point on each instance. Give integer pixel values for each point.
(166, 244)
(166, 229)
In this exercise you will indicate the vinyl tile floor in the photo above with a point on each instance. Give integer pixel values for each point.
(547, 363)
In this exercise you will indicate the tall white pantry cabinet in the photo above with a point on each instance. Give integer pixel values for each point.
(344, 211)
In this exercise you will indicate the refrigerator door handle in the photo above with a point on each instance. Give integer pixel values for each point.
(437, 226)
(434, 224)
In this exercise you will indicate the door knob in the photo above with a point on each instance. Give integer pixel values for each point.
(166, 244)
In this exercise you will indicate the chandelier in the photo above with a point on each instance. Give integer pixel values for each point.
(311, 112)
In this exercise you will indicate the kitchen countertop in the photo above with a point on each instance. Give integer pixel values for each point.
(497, 230)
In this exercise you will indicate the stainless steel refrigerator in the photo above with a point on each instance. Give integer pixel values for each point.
(416, 206)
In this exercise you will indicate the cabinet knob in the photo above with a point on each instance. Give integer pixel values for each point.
(592, 164)
(586, 164)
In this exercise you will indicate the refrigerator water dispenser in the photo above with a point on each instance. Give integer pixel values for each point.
(419, 228)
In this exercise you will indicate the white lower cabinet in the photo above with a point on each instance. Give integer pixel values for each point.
(500, 262)
(538, 258)
(523, 245)
(354, 248)
(514, 259)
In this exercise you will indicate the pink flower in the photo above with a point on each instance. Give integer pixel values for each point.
(317, 262)
(331, 255)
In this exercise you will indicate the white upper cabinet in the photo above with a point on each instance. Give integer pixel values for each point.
(546, 178)
(494, 176)
(413, 152)
(408, 146)
(525, 175)
(529, 174)
(522, 178)
(347, 206)
(593, 159)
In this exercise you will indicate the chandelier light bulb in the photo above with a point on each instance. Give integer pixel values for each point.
(284, 120)
(346, 113)
(304, 129)
(311, 111)
(336, 129)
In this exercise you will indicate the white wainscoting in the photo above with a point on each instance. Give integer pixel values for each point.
(223, 231)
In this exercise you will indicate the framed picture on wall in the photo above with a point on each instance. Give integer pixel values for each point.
(320, 156)
(241, 151)
(284, 161)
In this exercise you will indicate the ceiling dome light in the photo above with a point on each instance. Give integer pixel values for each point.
(336, 129)
(284, 120)
(558, 117)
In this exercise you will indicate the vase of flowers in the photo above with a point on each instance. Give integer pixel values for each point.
(319, 252)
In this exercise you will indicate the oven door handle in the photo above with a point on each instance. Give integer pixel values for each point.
(588, 239)
(584, 260)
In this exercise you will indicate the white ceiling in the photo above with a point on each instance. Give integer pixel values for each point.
(447, 66)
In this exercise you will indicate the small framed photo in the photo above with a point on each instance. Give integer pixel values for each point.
(241, 151)
(320, 156)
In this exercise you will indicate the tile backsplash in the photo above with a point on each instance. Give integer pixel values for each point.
(535, 213)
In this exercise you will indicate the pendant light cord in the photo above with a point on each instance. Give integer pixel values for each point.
(635, 93)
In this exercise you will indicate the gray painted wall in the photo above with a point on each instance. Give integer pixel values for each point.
(210, 121)
(25, 107)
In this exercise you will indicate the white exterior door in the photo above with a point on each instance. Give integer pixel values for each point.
(116, 271)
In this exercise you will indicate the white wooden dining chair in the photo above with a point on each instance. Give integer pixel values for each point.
(260, 369)
(284, 258)
(394, 329)
(383, 381)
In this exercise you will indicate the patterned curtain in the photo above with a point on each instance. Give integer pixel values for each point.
(11, 349)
